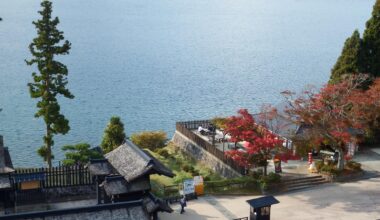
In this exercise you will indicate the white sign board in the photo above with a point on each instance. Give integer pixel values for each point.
(188, 186)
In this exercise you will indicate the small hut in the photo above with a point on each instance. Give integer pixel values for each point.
(260, 207)
(124, 175)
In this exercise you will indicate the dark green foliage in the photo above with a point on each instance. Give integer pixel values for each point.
(371, 40)
(79, 154)
(318, 164)
(329, 169)
(271, 178)
(241, 185)
(181, 176)
(187, 168)
(361, 55)
(219, 122)
(50, 80)
(350, 60)
(114, 135)
(163, 152)
(152, 140)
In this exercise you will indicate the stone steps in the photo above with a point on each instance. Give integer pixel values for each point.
(303, 182)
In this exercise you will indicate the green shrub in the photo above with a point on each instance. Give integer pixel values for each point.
(187, 168)
(79, 154)
(330, 168)
(195, 172)
(274, 178)
(181, 176)
(114, 135)
(206, 178)
(163, 152)
(152, 140)
(318, 165)
(352, 165)
(256, 174)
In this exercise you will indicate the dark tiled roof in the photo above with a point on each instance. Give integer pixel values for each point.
(262, 201)
(153, 204)
(131, 162)
(116, 185)
(159, 167)
(132, 210)
(8, 159)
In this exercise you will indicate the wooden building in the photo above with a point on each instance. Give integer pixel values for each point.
(6, 168)
(124, 175)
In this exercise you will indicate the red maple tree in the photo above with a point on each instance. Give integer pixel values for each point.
(260, 143)
(333, 114)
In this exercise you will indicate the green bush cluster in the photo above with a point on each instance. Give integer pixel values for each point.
(153, 140)
(242, 184)
(329, 168)
(271, 178)
(181, 176)
(190, 169)
(318, 165)
(163, 152)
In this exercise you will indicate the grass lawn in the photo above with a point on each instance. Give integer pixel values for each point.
(182, 165)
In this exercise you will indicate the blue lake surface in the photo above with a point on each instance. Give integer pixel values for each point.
(155, 62)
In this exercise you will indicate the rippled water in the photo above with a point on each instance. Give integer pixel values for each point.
(154, 62)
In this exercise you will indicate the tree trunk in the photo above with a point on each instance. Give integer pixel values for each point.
(48, 140)
(265, 169)
(340, 165)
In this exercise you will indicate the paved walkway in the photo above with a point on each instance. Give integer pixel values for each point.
(358, 200)
(354, 201)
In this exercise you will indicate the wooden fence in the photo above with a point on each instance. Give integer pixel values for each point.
(185, 129)
(62, 176)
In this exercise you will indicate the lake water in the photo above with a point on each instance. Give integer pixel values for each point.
(155, 62)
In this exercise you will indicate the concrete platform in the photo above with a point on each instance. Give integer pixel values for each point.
(354, 201)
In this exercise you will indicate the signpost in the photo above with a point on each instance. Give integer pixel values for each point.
(188, 186)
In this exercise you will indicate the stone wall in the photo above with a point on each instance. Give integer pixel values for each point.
(200, 154)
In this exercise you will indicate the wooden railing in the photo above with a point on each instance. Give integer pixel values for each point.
(62, 176)
(185, 129)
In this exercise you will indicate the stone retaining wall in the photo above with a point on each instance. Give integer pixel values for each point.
(200, 154)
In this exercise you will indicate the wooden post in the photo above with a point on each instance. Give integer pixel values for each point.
(98, 193)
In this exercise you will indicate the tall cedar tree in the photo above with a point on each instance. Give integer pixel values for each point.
(350, 59)
(50, 80)
(371, 40)
(361, 55)
(114, 135)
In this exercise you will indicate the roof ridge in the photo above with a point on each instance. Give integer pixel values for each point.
(139, 151)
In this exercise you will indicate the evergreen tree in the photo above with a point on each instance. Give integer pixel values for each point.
(371, 40)
(350, 60)
(51, 79)
(79, 154)
(114, 135)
